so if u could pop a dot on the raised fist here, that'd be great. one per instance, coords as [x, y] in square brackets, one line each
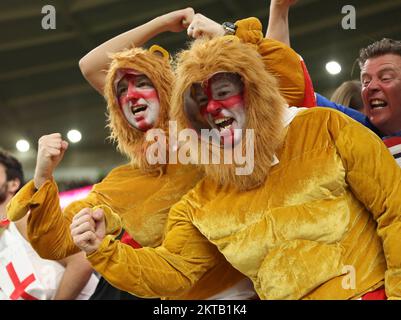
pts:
[51, 150]
[202, 26]
[178, 20]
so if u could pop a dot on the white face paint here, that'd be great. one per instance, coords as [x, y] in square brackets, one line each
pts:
[138, 100]
[222, 105]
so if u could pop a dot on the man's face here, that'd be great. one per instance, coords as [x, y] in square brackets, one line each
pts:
[222, 105]
[3, 184]
[138, 100]
[381, 92]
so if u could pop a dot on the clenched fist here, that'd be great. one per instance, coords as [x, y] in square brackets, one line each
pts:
[51, 150]
[202, 26]
[88, 229]
[176, 21]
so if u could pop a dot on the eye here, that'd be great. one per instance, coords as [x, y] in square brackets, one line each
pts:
[222, 94]
[203, 101]
[122, 90]
[144, 83]
[365, 82]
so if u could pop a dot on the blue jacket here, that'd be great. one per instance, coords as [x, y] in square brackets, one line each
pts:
[354, 114]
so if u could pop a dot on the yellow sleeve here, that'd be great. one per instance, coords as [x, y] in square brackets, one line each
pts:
[166, 271]
[19, 205]
[280, 60]
[375, 178]
[113, 220]
[48, 226]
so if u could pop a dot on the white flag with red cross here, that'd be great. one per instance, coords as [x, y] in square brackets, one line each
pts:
[18, 280]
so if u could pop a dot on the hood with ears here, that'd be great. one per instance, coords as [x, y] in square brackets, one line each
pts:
[264, 104]
[155, 64]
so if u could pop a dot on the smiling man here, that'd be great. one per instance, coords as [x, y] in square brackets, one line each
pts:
[294, 225]
[138, 99]
[137, 90]
[221, 103]
[380, 65]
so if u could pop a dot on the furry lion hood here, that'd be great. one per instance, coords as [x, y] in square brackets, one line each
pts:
[155, 64]
[264, 104]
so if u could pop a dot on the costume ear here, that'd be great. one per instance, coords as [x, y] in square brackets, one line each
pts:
[159, 51]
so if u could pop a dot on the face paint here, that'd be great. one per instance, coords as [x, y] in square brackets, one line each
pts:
[222, 105]
[138, 100]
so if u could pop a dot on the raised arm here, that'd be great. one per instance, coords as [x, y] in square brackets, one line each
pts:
[48, 225]
[278, 27]
[94, 64]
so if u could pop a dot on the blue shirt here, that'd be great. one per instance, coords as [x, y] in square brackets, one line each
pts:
[354, 114]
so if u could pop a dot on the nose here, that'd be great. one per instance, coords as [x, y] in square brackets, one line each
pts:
[373, 85]
[133, 93]
[214, 107]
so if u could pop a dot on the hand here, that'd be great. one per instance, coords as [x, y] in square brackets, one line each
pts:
[202, 26]
[51, 149]
[88, 229]
[178, 20]
[283, 4]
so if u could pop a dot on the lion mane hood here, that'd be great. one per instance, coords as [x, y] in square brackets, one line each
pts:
[155, 64]
[263, 103]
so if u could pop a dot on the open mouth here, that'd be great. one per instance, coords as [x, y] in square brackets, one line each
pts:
[224, 123]
[377, 103]
[138, 108]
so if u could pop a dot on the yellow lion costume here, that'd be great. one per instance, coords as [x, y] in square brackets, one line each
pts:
[140, 195]
[328, 209]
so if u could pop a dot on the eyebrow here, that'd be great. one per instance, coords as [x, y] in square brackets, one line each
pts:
[143, 77]
[222, 85]
[381, 71]
[386, 69]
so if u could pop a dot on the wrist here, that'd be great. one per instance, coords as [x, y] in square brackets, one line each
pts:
[157, 26]
[279, 9]
[39, 181]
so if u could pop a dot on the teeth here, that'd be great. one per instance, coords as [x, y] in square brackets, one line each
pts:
[221, 120]
[377, 103]
[138, 108]
[224, 123]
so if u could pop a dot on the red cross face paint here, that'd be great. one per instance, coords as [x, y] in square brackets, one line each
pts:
[221, 104]
[137, 98]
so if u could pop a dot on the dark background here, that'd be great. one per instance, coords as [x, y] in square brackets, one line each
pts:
[42, 90]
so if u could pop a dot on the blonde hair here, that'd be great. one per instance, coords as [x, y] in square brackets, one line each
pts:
[349, 94]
